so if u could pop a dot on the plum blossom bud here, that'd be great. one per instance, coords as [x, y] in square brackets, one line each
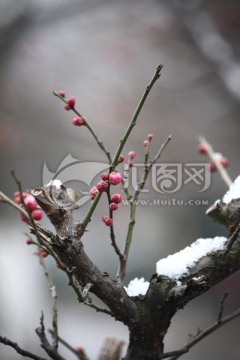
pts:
[67, 107]
[78, 121]
[102, 186]
[23, 217]
[44, 253]
[62, 93]
[145, 143]
[107, 220]
[30, 202]
[105, 176]
[211, 166]
[93, 192]
[224, 161]
[116, 198]
[79, 349]
[132, 154]
[202, 149]
[115, 178]
[36, 215]
[113, 206]
[28, 241]
[71, 102]
[121, 158]
[150, 137]
[17, 196]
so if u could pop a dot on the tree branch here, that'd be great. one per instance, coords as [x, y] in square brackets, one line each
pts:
[20, 351]
[50, 350]
[201, 335]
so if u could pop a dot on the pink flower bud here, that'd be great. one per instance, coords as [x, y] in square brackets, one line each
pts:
[28, 241]
[224, 161]
[211, 166]
[121, 158]
[36, 215]
[62, 93]
[23, 217]
[78, 121]
[105, 176]
[93, 192]
[102, 186]
[44, 253]
[30, 202]
[150, 137]
[71, 101]
[145, 143]
[107, 220]
[17, 200]
[79, 349]
[116, 198]
[132, 154]
[67, 107]
[113, 206]
[202, 149]
[115, 178]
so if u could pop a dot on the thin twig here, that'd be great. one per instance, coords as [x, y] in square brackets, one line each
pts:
[196, 339]
[10, 202]
[159, 153]
[221, 308]
[112, 232]
[32, 222]
[86, 123]
[81, 356]
[20, 351]
[122, 142]
[52, 290]
[133, 205]
[50, 350]
[222, 171]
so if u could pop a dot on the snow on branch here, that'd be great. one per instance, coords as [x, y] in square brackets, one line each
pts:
[176, 265]
[137, 287]
[233, 192]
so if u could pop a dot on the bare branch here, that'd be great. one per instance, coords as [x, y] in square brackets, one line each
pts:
[20, 351]
[201, 335]
[50, 350]
[221, 308]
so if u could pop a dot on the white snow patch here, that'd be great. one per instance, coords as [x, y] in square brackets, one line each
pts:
[57, 183]
[137, 287]
[176, 265]
[233, 192]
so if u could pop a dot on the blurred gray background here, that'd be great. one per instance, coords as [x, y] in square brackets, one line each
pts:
[104, 53]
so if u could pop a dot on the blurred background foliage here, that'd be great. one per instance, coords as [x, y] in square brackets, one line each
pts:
[104, 53]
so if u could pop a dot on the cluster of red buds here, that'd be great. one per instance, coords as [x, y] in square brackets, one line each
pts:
[77, 120]
[30, 203]
[149, 138]
[70, 102]
[115, 200]
[114, 178]
[202, 149]
[41, 252]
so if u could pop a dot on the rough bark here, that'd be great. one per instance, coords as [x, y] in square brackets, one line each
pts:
[147, 317]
